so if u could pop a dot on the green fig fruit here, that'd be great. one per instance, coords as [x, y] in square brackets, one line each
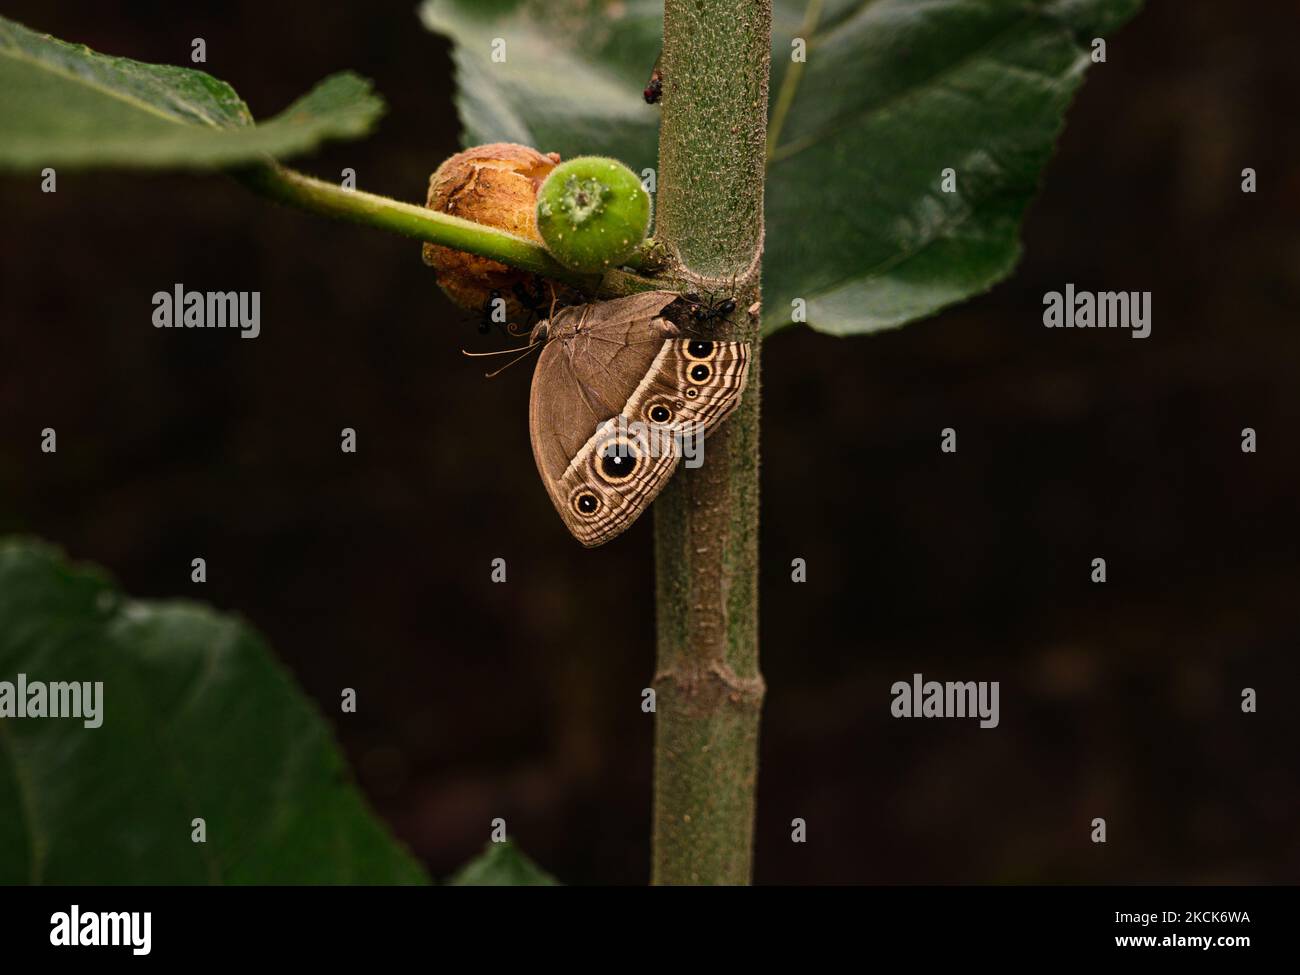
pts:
[592, 213]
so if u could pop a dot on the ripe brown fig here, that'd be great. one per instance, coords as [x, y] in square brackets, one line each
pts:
[495, 185]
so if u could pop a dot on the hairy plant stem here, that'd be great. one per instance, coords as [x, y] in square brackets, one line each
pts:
[708, 688]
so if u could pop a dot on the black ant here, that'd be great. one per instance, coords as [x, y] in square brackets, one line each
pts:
[703, 313]
[532, 299]
[494, 303]
[655, 89]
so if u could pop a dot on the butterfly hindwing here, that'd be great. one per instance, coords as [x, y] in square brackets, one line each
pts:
[611, 481]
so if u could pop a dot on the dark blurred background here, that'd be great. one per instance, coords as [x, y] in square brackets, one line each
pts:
[478, 700]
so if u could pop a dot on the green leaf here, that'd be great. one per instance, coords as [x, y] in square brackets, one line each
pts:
[502, 865]
[198, 721]
[65, 105]
[892, 93]
[572, 76]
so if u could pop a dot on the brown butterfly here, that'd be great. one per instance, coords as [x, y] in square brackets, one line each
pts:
[619, 395]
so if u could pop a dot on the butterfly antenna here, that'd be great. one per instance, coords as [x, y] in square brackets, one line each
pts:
[521, 355]
[477, 355]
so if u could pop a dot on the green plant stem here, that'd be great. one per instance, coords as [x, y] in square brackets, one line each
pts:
[318, 196]
[708, 689]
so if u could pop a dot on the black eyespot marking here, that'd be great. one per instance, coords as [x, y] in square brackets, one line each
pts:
[700, 373]
[587, 503]
[618, 460]
[699, 349]
[692, 393]
[617, 467]
[660, 413]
